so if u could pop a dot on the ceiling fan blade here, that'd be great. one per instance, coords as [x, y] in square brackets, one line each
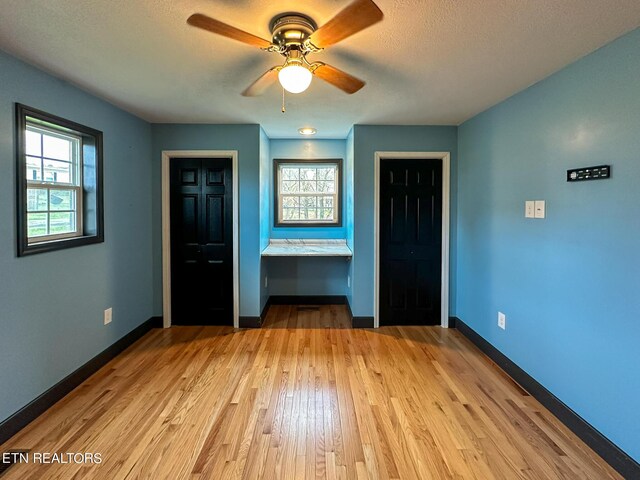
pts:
[215, 26]
[261, 84]
[357, 16]
[345, 82]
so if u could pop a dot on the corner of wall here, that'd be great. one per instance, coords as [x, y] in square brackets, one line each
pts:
[265, 224]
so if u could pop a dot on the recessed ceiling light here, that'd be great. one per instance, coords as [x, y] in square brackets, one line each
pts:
[307, 131]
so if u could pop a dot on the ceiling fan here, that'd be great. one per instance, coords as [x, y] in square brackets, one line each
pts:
[294, 36]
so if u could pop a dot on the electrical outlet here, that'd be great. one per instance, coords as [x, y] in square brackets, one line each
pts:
[266, 281]
[348, 281]
[502, 320]
[108, 315]
[540, 208]
[529, 209]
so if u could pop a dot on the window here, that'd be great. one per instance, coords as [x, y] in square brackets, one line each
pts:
[308, 192]
[59, 183]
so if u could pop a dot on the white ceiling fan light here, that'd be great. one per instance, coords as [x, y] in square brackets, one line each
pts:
[295, 78]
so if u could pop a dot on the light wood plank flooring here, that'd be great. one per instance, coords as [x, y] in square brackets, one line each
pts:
[305, 397]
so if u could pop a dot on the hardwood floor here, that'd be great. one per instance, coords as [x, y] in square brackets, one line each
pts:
[304, 397]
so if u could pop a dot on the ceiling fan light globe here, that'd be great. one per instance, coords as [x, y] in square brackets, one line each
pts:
[295, 78]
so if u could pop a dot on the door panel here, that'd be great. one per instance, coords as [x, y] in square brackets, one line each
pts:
[410, 242]
[215, 219]
[215, 176]
[424, 291]
[397, 289]
[190, 215]
[201, 242]
[189, 176]
[398, 219]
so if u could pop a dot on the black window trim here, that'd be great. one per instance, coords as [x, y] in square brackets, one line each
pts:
[276, 187]
[24, 248]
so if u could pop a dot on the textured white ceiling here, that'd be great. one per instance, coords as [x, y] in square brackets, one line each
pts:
[428, 62]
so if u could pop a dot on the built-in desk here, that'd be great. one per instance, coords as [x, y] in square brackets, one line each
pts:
[307, 248]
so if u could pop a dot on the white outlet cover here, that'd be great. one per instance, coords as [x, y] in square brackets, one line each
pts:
[502, 320]
[529, 209]
[540, 208]
[108, 316]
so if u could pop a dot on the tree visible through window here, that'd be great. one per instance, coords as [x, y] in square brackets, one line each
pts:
[308, 192]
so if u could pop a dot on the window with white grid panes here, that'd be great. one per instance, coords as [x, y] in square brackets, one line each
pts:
[307, 192]
[53, 173]
[59, 165]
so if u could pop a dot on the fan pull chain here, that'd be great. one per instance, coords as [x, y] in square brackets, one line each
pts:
[283, 107]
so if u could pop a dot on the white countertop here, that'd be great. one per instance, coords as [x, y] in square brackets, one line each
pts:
[307, 248]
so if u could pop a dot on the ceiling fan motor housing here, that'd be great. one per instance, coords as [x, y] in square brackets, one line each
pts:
[291, 29]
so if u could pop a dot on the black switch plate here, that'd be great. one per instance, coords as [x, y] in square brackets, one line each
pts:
[589, 173]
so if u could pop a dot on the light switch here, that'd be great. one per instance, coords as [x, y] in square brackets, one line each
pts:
[540, 209]
[529, 209]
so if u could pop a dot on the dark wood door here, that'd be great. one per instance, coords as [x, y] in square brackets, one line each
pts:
[201, 241]
[410, 242]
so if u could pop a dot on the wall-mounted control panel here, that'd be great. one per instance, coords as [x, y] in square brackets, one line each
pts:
[589, 173]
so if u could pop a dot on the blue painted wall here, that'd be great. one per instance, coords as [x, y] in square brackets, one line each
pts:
[307, 276]
[306, 149]
[246, 140]
[265, 230]
[51, 304]
[569, 284]
[369, 139]
[350, 211]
